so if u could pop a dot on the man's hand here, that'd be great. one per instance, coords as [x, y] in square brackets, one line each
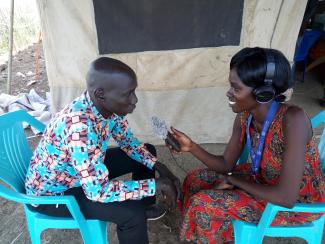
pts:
[164, 172]
[166, 186]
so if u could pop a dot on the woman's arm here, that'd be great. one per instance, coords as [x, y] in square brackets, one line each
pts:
[297, 133]
[220, 163]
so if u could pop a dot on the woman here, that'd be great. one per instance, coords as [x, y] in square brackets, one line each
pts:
[284, 165]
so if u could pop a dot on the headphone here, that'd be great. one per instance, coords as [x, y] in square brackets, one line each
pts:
[266, 93]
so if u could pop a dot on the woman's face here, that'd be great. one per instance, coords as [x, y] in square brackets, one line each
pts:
[240, 96]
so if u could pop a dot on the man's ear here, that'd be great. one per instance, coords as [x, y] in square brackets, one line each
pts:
[99, 93]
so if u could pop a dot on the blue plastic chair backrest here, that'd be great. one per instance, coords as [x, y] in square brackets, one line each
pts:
[244, 155]
[315, 122]
[15, 152]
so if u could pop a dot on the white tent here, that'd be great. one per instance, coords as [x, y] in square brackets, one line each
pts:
[185, 87]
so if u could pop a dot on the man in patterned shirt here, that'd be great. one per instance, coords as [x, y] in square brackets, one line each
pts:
[72, 157]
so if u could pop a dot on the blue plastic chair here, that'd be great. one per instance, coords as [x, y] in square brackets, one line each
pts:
[312, 232]
[244, 155]
[315, 122]
[15, 155]
[304, 44]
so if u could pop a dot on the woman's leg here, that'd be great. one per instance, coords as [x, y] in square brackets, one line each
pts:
[197, 180]
[208, 214]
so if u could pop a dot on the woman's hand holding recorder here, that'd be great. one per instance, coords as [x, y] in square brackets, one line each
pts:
[184, 142]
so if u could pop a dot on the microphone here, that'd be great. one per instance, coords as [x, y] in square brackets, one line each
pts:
[159, 128]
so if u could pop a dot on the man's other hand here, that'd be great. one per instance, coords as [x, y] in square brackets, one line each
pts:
[164, 172]
[168, 189]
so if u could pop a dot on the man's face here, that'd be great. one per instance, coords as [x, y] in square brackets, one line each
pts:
[119, 97]
[240, 96]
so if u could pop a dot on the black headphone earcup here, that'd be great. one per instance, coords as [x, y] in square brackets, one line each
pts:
[264, 94]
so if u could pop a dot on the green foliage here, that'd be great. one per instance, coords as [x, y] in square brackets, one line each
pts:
[26, 26]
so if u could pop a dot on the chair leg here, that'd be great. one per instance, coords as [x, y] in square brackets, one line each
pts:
[34, 232]
[310, 239]
[98, 232]
[244, 234]
[318, 235]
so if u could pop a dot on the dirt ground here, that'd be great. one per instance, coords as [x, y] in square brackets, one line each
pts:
[28, 61]
[13, 227]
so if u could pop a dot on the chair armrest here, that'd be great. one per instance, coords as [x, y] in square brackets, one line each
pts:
[32, 121]
[318, 119]
[271, 210]
[27, 199]
[21, 116]
[69, 201]
[301, 207]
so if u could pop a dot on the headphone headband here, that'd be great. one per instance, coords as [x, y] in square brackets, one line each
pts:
[270, 69]
[266, 93]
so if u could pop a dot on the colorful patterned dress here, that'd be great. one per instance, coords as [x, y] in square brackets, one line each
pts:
[207, 213]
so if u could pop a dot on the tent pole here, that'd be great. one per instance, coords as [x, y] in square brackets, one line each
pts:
[11, 30]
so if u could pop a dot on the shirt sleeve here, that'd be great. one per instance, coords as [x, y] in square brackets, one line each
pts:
[123, 135]
[87, 159]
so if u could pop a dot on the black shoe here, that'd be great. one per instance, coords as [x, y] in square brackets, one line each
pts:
[156, 211]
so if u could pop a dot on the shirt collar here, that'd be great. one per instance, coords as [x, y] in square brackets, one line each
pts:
[92, 107]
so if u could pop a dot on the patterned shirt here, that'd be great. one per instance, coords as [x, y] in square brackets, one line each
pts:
[72, 150]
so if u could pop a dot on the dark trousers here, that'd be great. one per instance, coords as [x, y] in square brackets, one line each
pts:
[129, 216]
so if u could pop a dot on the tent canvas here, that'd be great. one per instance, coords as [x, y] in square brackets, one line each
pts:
[186, 87]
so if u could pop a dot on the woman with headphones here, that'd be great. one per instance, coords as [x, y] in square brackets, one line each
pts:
[283, 167]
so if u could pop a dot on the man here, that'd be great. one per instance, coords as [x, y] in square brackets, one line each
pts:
[72, 157]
